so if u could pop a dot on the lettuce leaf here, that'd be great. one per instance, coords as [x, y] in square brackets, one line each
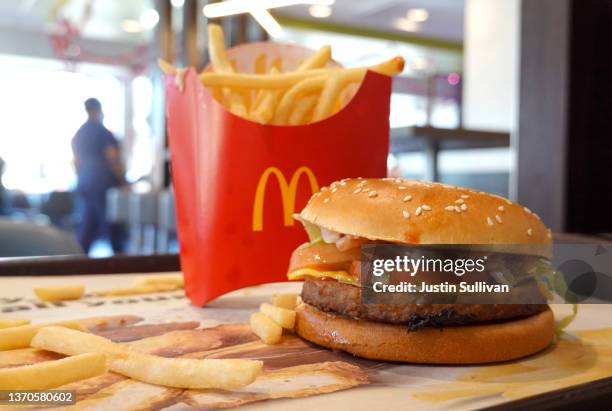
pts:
[552, 283]
[562, 324]
[313, 231]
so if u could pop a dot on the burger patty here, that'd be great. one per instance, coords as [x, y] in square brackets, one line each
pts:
[332, 296]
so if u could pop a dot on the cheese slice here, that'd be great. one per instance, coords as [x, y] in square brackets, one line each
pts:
[341, 276]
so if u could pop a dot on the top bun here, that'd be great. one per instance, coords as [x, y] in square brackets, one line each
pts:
[414, 212]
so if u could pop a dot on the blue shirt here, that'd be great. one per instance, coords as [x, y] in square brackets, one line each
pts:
[94, 172]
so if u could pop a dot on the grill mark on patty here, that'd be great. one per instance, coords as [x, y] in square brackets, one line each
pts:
[332, 296]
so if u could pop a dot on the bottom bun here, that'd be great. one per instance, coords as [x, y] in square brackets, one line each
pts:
[473, 344]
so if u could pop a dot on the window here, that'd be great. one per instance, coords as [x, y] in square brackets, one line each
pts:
[42, 108]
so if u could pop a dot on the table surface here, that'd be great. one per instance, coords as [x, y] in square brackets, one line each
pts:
[76, 265]
[396, 385]
[18, 276]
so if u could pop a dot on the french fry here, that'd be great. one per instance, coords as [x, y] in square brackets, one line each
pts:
[317, 60]
[266, 329]
[235, 103]
[60, 293]
[52, 374]
[333, 86]
[258, 99]
[277, 64]
[220, 63]
[12, 323]
[137, 289]
[72, 342]
[308, 85]
[259, 81]
[261, 64]
[21, 336]
[265, 111]
[260, 67]
[288, 301]
[175, 279]
[282, 316]
[389, 67]
[244, 99]
[217, 94]
[187, 372]
[283, 98]
[286, 80]
[171, 372]
[262, 94]
[166, 67]
[347, 94]
[301, 109]
[216, 50]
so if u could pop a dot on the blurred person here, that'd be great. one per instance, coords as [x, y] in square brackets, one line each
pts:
[98, 167]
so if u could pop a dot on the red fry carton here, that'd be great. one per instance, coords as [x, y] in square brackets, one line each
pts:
[238, 183]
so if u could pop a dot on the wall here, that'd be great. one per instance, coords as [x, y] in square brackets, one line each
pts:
[491, 64]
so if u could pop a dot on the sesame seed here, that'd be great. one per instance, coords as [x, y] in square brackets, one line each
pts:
[401, 187]
[407, 198]
[501, 208]
[326, 200]
[406, 214]
[460, 201]
[498, 218]
[365, 190]
[398, 180]
[324, 189]
[418, 211]
[465, 196]
[463, 207]
[372, 194]
[333, 190]
[449, 208]
[528, 211]
[342, 183]
[357, 191]
[457, 209]
[529, 232]
[508, 202]
[489, 221]
[426, 207]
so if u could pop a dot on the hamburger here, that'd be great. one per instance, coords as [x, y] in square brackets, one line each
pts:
[351, 213]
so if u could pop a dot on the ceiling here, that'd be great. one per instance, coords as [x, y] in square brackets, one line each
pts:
[104, 23]
[445, 16]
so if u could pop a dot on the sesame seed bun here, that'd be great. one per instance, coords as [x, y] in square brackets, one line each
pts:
[413, 212]
[472, 344]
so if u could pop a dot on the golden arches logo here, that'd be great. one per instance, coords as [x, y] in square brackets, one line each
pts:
[288, 192]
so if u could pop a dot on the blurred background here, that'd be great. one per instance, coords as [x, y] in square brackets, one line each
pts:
[507, 96]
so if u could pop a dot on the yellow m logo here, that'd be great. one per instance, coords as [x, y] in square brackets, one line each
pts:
[288, 192]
